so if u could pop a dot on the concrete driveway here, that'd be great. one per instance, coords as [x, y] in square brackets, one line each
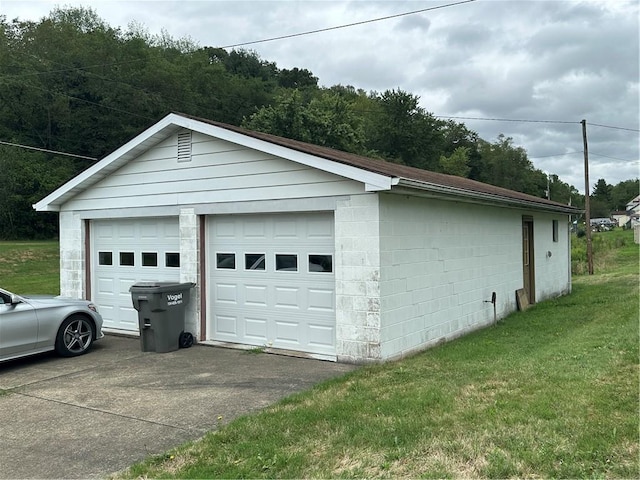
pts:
[90, 416]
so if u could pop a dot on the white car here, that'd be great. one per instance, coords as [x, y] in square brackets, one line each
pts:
[37, 323]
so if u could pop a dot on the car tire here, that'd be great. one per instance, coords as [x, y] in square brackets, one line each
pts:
[75, 336]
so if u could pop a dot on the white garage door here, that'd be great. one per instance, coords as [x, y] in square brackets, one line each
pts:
[272, 281]
[128, 251]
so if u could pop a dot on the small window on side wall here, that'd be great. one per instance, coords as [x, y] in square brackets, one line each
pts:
[555, 230]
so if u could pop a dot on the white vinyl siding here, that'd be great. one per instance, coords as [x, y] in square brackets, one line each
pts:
[219, 171]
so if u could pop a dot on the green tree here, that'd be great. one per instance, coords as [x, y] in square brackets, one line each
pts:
[248, 64]
[399, 130]
[297, 78]
[326, 119]
[457, 135]
[457, 163]
[27, 178]
[508, 166]
[602, 190]
[600, 203]
[562, 192]
[623, 192]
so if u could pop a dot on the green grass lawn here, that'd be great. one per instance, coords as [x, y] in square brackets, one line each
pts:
[30, 267]
[550, 392]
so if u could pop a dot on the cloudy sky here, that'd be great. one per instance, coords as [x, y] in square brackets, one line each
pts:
[549, 62]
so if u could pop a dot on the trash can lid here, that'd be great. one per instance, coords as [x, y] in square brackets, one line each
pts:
[153, 284]
[160, 286]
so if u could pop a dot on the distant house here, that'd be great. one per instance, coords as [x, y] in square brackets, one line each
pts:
[634, 203]
[630, 217]
[302, 248]
[633, 211]
[621, 218]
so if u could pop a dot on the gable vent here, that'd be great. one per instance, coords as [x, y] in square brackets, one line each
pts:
[184, 147]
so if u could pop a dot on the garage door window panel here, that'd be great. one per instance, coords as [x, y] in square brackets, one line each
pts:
[172, 260]
[105, 258]
[286, 262]
[149, 259]
[254, 261]
[319, 263]
[127, 259]
[226, 261]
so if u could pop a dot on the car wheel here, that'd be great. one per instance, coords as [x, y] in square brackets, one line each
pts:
[75, 336]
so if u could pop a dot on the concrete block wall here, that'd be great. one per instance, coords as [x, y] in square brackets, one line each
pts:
[440, 263]
[189, 266]
[357, 267]
[72, 261]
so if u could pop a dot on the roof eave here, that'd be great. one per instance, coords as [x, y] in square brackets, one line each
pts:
[172, 122]
[54, 201]
[483, 198]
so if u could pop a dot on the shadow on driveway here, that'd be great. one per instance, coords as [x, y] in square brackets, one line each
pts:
[93, 415]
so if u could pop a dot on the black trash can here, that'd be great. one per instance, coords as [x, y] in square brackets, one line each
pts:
[161, 308]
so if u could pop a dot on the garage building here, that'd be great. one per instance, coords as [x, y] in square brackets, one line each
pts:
[300, 248]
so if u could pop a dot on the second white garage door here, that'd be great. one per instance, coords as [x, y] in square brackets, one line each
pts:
[272, 281]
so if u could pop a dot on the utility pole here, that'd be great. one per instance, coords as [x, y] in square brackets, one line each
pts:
[587, 213]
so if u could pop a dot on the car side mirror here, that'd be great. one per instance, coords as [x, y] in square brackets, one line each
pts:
[14, 299]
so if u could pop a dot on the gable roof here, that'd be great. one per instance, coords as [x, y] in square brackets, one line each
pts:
[377, 175]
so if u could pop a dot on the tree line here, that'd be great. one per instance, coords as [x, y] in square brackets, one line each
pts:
[72, 83]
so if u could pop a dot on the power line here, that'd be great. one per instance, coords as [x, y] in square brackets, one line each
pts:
[70, 69]
[282, 37]
[89, 102]
[612, 158]
[581, 151]
[489, 119]
[615, 128]
[556, 155]
[515, 120]
[46, 150]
